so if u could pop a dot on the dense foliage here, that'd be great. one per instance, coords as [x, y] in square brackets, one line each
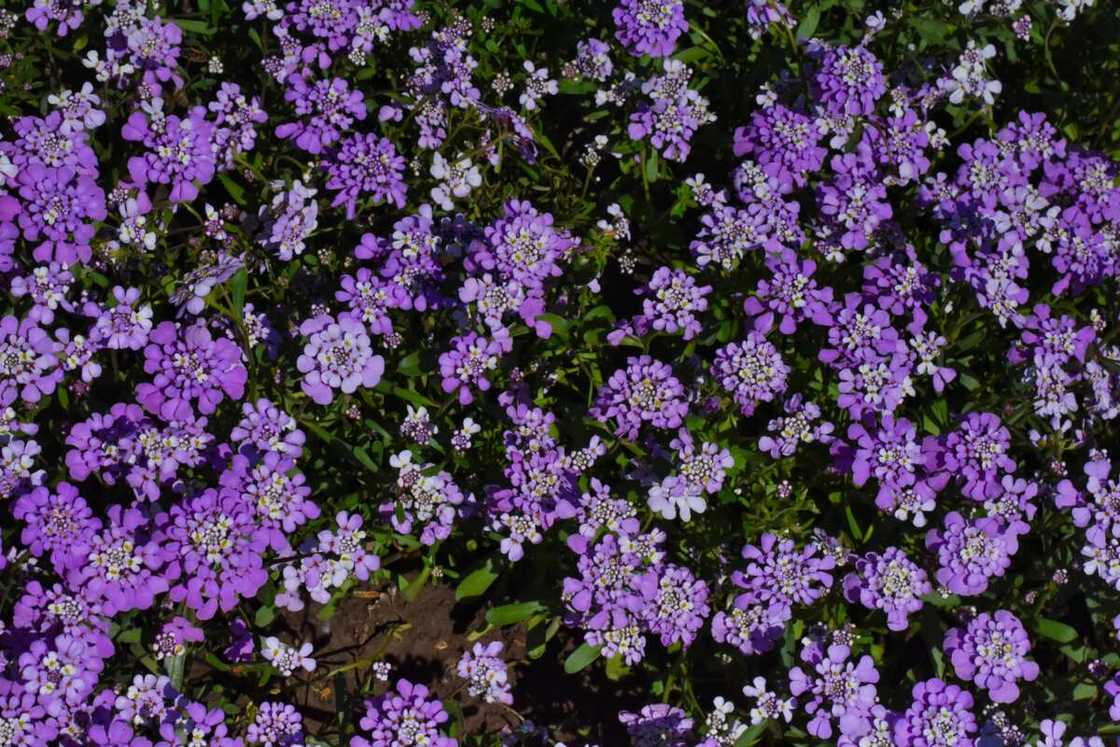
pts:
[540, 372]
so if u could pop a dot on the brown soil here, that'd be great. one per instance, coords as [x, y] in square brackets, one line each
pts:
[423, 641]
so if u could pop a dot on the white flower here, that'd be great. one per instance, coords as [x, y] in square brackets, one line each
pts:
[285, 658]
[457, 179]
[537, 86]
[673, 496]
[768, 705]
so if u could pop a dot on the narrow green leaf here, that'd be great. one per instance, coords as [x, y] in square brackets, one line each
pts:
[580, 658]
[510, 614]
[1055, 630]
[476, 583]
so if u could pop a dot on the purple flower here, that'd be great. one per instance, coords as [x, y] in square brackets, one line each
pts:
[778, 573]
[835, 688]
[798, 425]
[153, 47]
[790, 294]
[672, 115]
[215, 545]
[762, 14]
[47, 287]
[28, 362]
[337, 356]
[328, 108]
[751, 628]
[61, 672]
[426, 504]
[855, 201]
[265, 429]
[522, 245]
[598, 510]
[121, 326]
[673, 301]
[147, 700]
[469, 362]
[59, 523]
[370, 298]
[124, 568]
[235, 120]
[593, 60]
[785, 142]
[892, 455]
[276, 493]
[675, 495]
[861, 332]
[644, 392]
[42, 12]
[189, 365]
[207, 727]
[890, 582]
[649, 27]
[174, 636]
[971, 552]
[658, 724]
[727, 233]
[704, 468]
[674, 604]
[366, 163]
[58, 609]
[16, 461]
[241, 646]
[752, 371]
[848, 80]
[991, 652]
[180, 151]
[940, 715]
[276, 725]
[48, 142]
[346, 543]
[402, 716]
[485, 672]
[289, 221]
[976, 454]
[58, 210]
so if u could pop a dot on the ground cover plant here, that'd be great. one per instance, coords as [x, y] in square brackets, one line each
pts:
[540, 372]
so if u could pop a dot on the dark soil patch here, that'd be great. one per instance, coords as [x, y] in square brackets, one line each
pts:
[423, 641]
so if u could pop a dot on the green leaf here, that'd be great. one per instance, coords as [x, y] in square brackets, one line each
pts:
[367, 461]
[409, 365]
[752, 735]
[413, 589]
[616, 669]
[476, 582]
[1085, 691]
[853, 525]
[237, 287]
[194, 27]
[809, 22]
[264, 616]
[176, 667]
[132, 635]
[510, 614]
[1055, 630]
[651, 167]
[236, 191]
[580, 658]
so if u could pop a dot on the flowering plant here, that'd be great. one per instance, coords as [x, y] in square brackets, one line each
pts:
[657, 372]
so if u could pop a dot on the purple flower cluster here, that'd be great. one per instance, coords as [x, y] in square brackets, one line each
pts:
[403, 715]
